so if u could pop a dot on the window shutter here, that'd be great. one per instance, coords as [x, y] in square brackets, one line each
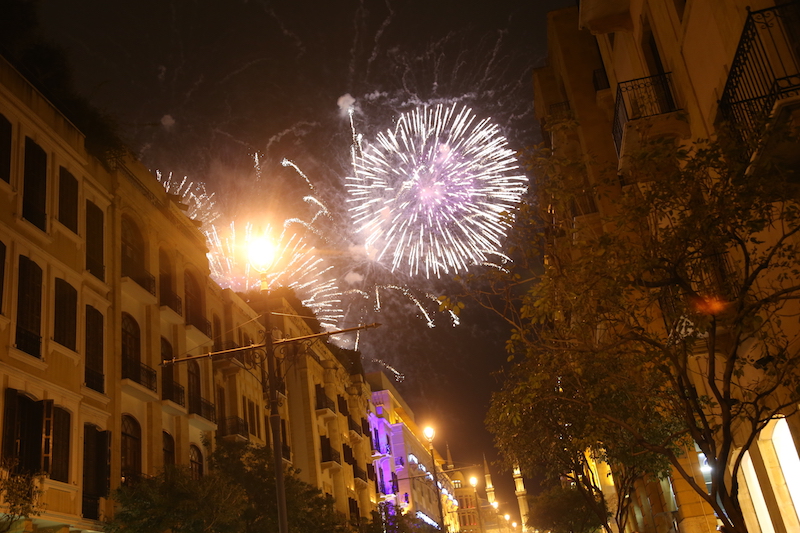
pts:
[10, 426]
[104, 459]
[59, 466]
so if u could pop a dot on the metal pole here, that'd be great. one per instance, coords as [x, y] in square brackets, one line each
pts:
[436, 488]
[275, 420]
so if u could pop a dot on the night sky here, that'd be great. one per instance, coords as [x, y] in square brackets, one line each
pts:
[202, 88]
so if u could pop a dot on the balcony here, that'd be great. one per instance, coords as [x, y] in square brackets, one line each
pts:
[765, 70]
[325, 406]
[606, 16]
[170, 300]
[140, 276]
[234, 426]
[196, 319]
[202, 407]
[359, 473]
[29, 342]
[173, 392]
[139, 372]
[639, 99]
[354, 427]
[329, 455]
[94, 380]
[95, 267]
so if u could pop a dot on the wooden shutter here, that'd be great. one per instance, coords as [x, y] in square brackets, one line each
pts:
[47, 435]
[10, 425]
[59, 466]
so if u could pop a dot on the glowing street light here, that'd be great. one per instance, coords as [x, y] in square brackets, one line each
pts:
[430, 433]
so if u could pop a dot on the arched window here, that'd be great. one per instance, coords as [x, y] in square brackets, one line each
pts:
[132, 246]
[131, 348]
[195, 462]
[166, 286]
[194, 301]
[195, 402]
[168, 445]
[170, 390]
[131, 452]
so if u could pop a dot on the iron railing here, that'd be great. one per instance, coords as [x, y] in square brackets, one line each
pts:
[90, 507]
[196, 319]
[94, 380]
[95, 267]
[139, 372]
[233, 425]
[765, 69]
[200, 406]
[640, 98]
[354, 426]
[359, 473]
[142, 277]
[29, 342]
[171, 300]
[331, 455]
[323, 402]
[174, 392]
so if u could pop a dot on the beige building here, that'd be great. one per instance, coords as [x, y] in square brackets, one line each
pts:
[623, 70]
[103, 277]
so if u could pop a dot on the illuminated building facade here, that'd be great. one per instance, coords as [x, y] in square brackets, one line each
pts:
[103, 277]
[402, 461]
[707, 60]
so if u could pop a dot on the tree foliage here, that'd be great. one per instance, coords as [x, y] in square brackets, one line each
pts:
[238, 494]
[664, 321]
[20, 495]
[562, 510]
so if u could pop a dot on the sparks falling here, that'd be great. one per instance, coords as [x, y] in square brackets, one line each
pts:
[433, 194]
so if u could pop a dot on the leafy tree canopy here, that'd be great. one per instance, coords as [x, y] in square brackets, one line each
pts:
[562, 510]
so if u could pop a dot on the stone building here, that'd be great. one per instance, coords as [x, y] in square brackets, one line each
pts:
[623, 71]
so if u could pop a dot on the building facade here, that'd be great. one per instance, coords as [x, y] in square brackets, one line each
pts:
[108, 325]
[623, 71]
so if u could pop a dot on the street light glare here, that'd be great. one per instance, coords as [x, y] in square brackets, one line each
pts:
[429, 433]
[262, 253]
[473, 481]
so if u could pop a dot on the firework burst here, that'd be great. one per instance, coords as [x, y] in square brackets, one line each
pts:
[432, 195]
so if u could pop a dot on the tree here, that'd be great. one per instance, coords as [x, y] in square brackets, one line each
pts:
[667, 322]
[19, 493]
[238, 494]
[562, 510]
[391, 519]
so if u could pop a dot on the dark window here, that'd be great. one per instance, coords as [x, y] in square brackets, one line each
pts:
[251, 416]
[193, 370]
[34, 188]
[217, 331]
[221, 408]
[68, 199]
[94, 349]
[132, 245]
[168, 445]
[194, 301]
[131, 452]
[65, 319]
[164, 271]
[195, 462]
[36, 435]
[131, 339]
[29, 307]
[96, 469]
[5, 149]
[2, 273]
[95, 262]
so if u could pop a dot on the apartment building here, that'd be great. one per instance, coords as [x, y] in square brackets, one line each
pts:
[108, 325]
[622, 71]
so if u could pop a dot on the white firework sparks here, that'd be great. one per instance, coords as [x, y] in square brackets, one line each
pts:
[433, 194]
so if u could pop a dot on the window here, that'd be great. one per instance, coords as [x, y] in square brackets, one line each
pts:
[5, 149]
[217, 332]
[29, 307]
[168, 445]
[94, 349]
[170, 390]
[251, 416]
[194, 301]
[131, 350]
[96, 468]
[195, 462]
[68, 199]
[34, 188]
[65, 314]
[95, 263]
[195, 400]
[132, 245]
[36, 435]
[131, 452]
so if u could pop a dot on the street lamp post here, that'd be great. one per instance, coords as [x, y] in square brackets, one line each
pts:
[474, 482]
[429, 433]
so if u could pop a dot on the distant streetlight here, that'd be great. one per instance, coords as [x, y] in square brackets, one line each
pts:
[474, 482]
[430, 433]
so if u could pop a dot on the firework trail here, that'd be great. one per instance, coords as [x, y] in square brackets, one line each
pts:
[432, 195]
[199, 202]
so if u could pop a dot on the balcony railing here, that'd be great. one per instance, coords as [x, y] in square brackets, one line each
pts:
[29, 342]
[94, 265]
[354, 426]
[286, 451]
[765, 69]
[201, 406]
[142, 277]
[359, 473]
[233, 425]
[171, 300]
[173, 392]
[331, 455]
[196, 319]
[323, 402]
[90, 507]
[139, 372]
[641, 98]
[94, 380]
